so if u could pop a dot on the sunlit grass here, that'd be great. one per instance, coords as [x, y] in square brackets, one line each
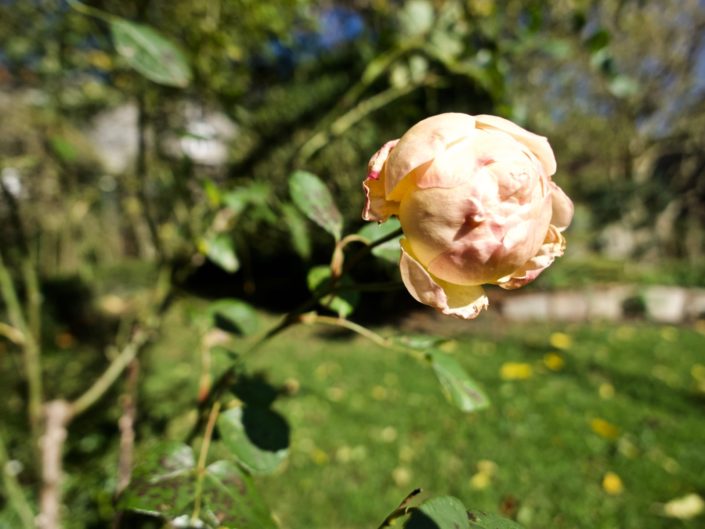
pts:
[600, 439]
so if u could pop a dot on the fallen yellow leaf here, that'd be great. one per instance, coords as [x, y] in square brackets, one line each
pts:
[516, 371]
[604, 429]
[612, 484]
[553, 361]
[560, 340]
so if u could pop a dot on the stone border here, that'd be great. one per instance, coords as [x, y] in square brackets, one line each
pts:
[659, 303]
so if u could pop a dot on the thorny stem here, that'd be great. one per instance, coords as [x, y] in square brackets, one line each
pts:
[202, 459]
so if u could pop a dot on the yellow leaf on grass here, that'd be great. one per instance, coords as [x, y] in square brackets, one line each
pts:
[604, 429]
[612, 484]
[560, 340]
[553, 361]
[516, 371]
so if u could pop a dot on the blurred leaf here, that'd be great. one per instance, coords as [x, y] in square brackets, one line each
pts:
[443, 512]
[231, 499]
[390, 250]
[221, 250]
[239, 198]
[481, 520]
[235, 315]
[258, 437]
[149, 53]
[556, 47]
[416, 18]
[314, 200]
[213, 193]
[458, 387]
[64, 149]
[162, 482]
[300, 239]
[623, 86]
[342, 303]
[598, 40]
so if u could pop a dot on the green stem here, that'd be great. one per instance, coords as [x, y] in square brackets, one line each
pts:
[225, 379]
[91, 11]
[347, 120]
[362, 331]
[202, 459]
[31, 352]
[110, 375]
[13, 490]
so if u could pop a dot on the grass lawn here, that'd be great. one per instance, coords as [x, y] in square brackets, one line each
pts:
[589, 427]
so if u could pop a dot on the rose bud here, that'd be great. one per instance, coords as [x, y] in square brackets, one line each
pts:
[477, 206]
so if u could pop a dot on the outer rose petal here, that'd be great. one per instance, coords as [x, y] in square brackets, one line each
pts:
[464, 302]
[423, 142]
[553, 247]
[562, 208]
[538, 144]
[376, 205]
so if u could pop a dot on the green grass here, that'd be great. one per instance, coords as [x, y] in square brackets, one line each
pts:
[369, 425]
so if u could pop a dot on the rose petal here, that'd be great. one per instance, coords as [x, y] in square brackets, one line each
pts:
[553, 247]
[464, 302]
[376, 206]
[374, 166]
[563, 208]
[538, 144]
[423, 142]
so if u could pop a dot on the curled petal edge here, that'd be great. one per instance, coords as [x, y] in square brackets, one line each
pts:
[460, 301]
[553, 246]
[377, 207]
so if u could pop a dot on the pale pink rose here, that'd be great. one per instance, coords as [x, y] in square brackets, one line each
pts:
[477, 205]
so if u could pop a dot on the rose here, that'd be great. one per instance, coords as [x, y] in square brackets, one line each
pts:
[477, 206]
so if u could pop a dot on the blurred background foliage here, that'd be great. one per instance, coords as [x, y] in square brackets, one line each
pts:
[108, 165]
[105, 176]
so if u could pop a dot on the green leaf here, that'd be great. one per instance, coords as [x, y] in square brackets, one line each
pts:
[234, 315]
[344, 302]
[221, 250]
[300, 239]
[231, 499]
[151, 54]
[598, 40]
[213, 193]
[481, 520]
[64, 149]
[390, 250]
[258, 437]
[257, 193]
[443, 512]
[314, 200]
[458, 387]
[623, 86]
[162, 482]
